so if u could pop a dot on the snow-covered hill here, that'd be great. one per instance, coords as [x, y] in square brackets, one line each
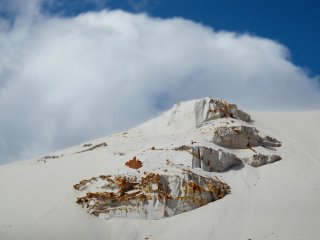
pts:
[204, 169]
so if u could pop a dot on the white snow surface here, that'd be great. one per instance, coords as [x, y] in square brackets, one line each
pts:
[276, 201]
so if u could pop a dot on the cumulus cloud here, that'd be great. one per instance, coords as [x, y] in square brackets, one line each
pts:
[67, 80]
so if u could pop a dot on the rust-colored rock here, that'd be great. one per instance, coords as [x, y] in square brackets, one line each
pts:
[134, 163]
[152, 196]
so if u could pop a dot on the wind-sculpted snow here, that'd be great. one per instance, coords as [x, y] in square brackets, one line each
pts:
[212, 135]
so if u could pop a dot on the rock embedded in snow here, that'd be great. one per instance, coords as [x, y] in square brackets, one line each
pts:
[241, 137]
[152, 196]
[212, 160]
[100, 145]
[270, 142]
[236, 137]
[134, 163]
[49, 210]
[158, 187]
[258, 160]
[210, 109]
[195, 113]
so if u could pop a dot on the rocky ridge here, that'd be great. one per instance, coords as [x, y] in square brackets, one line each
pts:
[191, 142]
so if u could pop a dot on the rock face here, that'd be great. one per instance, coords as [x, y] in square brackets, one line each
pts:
[241, 137]
[258, 160]
[210, 109]
[152, 196]
[212, 160]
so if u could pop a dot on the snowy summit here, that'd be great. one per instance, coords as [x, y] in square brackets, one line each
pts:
[204, 164]
[185, 144]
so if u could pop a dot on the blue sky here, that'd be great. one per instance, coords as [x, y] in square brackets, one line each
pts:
[294, 23]
[76, 70]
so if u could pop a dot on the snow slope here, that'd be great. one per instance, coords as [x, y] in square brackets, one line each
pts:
[275, 201]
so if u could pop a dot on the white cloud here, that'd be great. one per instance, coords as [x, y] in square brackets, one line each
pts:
[67, 80]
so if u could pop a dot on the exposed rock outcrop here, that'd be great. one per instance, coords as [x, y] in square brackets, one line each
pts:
[241, 137]
[212, 160]
[100, 145]
[209, 109]
[152, 196]
[270, 142]
[258, 160]
[162, 185]
[44, 159]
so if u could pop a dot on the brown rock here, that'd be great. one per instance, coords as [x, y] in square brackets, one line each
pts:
[134, 163]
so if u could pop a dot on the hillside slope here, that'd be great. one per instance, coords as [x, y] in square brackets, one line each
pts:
[275, 201]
